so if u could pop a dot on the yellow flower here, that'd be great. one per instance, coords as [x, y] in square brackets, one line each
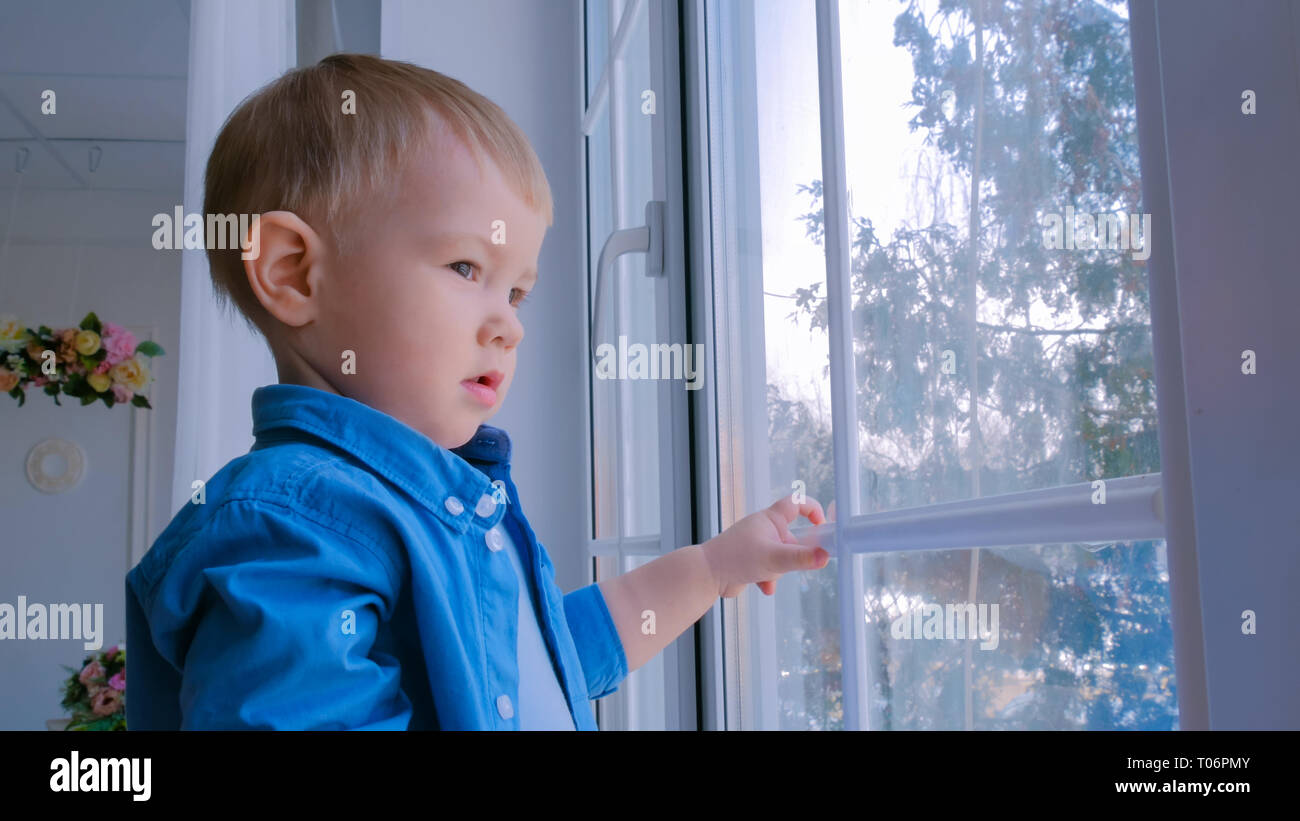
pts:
[87, 342]
[100, 381]
[11, 328]
[131, 372]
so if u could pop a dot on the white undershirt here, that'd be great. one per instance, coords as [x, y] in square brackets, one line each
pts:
[542, 705]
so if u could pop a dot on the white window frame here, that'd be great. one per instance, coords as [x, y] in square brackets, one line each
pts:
[1135, 507]
[739, 635]
[662, 239]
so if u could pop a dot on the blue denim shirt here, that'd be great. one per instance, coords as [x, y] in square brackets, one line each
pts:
[345, 574]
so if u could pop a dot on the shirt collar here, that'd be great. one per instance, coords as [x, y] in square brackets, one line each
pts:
[395, 450]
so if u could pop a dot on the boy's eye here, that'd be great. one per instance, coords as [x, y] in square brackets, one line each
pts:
[517, 295]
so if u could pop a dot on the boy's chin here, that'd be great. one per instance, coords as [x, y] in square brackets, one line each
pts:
[462, 436]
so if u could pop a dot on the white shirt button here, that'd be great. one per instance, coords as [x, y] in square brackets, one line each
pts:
[454, 506]
[494, 540]
[504, 707]
[486, 506]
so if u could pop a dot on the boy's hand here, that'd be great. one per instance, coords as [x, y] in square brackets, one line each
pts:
[759, 548]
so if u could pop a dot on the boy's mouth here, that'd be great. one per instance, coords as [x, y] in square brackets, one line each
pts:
[484, 386]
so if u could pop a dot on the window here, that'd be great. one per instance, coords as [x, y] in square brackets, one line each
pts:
[994, 392]
[888, 212]
[639, 452]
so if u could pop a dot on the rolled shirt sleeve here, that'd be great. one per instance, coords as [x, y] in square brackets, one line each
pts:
[604, 663]
[284, 637]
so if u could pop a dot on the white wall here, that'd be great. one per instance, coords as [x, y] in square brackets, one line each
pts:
[523, 55]
[119, 73]
[73, 547]
[1225, 272]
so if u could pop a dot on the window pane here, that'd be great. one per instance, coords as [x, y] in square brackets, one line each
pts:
[1055, 341]
[1057, 344]
[604, 430]
[1069, 638]
[599, 35]
[634, 291]
[774, 417]
[625, 413]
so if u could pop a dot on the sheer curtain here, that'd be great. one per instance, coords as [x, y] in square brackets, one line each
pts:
[236, 47]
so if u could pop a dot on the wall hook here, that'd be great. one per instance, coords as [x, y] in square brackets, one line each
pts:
[20, 159]
[96, 154]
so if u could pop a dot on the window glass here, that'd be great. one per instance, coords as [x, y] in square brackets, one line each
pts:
[1049, 336]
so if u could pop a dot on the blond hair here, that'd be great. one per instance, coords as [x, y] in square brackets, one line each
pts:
[290, 147]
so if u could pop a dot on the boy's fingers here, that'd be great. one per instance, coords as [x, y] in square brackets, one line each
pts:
[786, 559]
[782, 529]
[821, 515]
[813, 510]
[790, 511]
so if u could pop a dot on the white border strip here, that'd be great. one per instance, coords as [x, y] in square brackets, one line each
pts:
[839, 295]
[1133, 510]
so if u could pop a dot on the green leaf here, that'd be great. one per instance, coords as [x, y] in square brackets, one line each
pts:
[91, 323]
[44, 331]
[105, 723]
[88, 398]
[141, 402]
[149, 348]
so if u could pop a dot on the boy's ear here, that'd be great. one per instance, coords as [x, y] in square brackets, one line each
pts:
[286, 273]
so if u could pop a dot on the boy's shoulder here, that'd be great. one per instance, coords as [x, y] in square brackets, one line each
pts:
[302, 489]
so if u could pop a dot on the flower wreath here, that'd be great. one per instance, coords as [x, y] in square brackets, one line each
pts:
[94, 361]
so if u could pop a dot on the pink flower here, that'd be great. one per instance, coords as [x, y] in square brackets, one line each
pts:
[119, 342]
[121, 393]
[106, 702]
[40, 381]
[110, 652]
[91, 671]
[118, 682]
[103, 367]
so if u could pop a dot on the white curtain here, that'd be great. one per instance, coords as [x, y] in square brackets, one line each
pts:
[236, 47]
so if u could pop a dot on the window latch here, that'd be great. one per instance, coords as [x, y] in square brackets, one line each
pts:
[648, 239]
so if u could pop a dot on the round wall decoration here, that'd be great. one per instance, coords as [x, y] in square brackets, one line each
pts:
[55, 465]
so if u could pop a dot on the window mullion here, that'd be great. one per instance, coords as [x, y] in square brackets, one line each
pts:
[839, 296]
[621, 37]
[1132, 510]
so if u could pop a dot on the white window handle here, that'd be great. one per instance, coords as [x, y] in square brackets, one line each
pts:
[649, 239]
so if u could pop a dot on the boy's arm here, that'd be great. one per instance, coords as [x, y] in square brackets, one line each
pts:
[673, 591]
[667, 595]
[284, 629]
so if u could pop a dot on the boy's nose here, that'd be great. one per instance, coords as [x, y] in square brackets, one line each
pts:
[503, 325]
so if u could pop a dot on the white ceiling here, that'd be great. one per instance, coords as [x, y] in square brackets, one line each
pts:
[118, 70]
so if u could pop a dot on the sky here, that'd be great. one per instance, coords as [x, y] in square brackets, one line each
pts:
[877, 78]
[881, 158]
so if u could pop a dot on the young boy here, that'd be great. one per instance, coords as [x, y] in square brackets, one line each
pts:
[368, 565]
